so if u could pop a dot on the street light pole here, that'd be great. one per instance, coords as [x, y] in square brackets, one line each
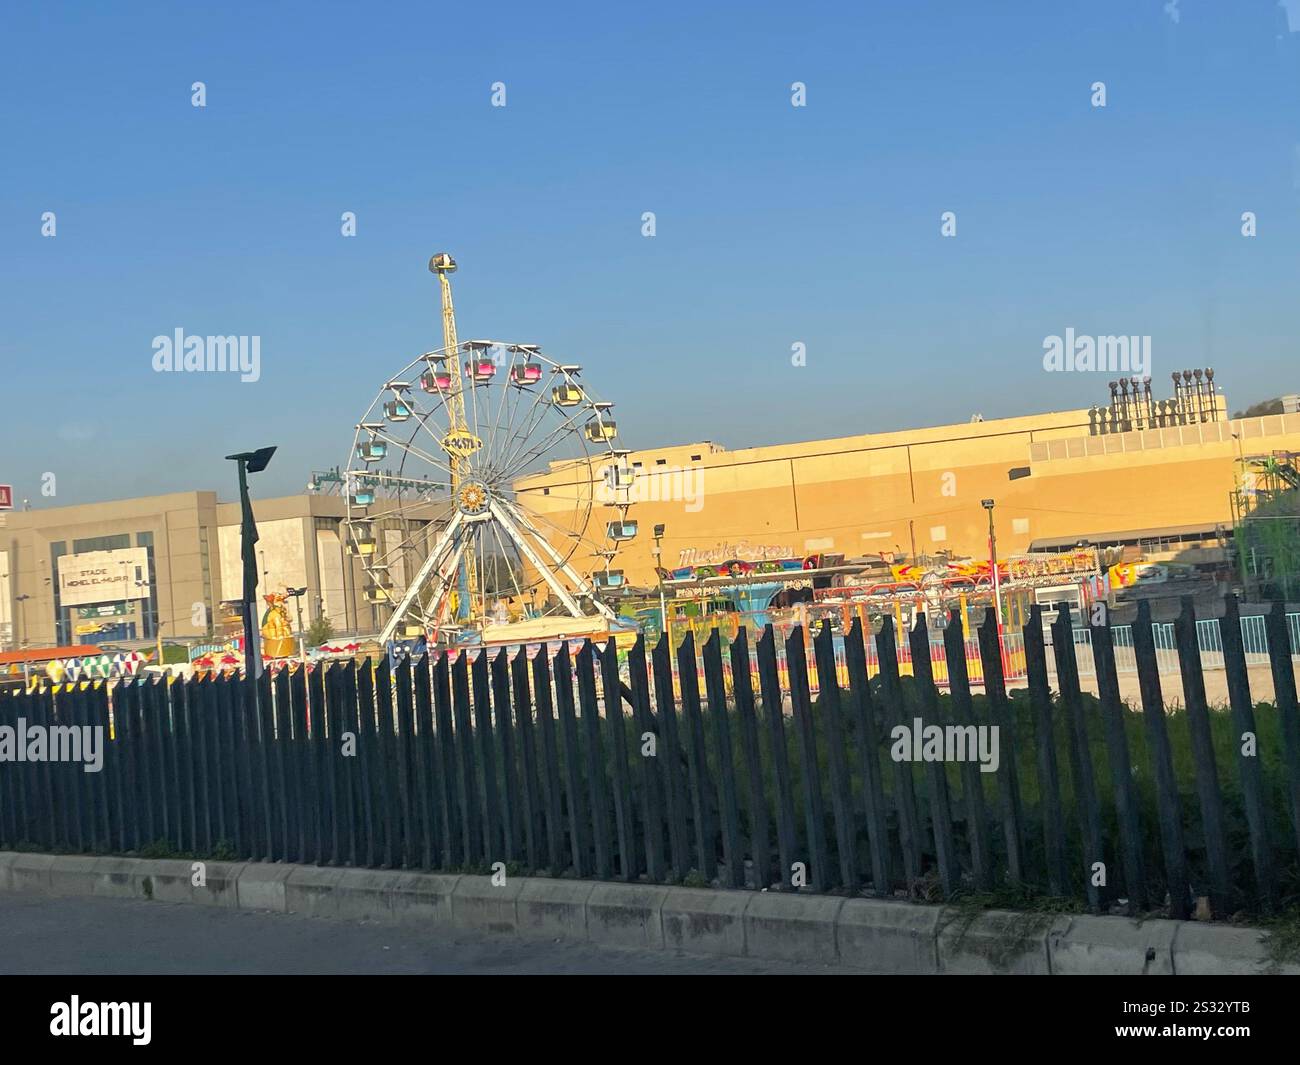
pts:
[993, 564]
[250, 462]
[659, 577]
[22, 609]
[296, 595]
[158, 627]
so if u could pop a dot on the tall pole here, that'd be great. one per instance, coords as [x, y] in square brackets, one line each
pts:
[659, 577]
[22, 610]
[297, 594]
[250, 462]
[459, 443]
[993, 566]
[248, 534]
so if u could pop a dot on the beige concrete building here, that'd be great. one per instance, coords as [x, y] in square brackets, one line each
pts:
[122, 570]
[1054, 480]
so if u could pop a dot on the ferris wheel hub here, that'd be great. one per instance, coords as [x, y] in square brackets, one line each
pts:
[473, 499]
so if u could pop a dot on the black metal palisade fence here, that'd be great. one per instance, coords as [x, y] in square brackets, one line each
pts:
[556, 764]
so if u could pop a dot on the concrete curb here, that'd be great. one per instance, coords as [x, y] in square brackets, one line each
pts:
[1115, 945]
[884, 936]
[627, 915]
[997, 941]
[861, 934]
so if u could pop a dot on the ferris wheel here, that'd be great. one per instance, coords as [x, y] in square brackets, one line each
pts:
[486, 488]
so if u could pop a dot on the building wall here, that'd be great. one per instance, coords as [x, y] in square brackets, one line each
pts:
[301, 544]
[921, 490]
[170, 525]
[196, 561]
[6, 602]
[281, 560]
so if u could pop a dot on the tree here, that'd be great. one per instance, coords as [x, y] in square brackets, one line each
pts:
[1259, 410]
[319, 631]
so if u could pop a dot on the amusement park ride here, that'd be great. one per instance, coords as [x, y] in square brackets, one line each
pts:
[803, 591]
[452, 552]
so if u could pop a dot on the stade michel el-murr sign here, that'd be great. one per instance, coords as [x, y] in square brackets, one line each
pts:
[104, 576]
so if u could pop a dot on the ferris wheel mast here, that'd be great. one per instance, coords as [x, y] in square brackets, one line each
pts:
[459, 443]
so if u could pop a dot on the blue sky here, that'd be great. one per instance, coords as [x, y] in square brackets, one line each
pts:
[775, 224]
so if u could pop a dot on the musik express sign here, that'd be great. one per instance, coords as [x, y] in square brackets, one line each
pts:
[104, 576]
[741, 549]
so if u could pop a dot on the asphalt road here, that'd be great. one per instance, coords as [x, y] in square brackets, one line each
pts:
[123, 936]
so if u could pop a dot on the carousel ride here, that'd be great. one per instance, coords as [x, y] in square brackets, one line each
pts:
[486, 495]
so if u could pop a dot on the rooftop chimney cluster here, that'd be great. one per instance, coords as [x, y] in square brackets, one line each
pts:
[1132, 406]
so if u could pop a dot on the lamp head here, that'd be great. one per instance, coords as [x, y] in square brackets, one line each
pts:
[254, 461]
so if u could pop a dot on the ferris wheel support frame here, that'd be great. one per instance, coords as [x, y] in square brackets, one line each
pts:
[498, 511]
[447, 574]
[513, 522]
[445, 538]
[586, 590]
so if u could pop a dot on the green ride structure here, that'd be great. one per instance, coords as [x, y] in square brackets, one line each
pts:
[1266, 525]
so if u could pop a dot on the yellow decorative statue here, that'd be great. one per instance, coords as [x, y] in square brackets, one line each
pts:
[277, 631]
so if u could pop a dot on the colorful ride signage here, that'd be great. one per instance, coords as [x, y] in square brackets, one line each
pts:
[741, 549]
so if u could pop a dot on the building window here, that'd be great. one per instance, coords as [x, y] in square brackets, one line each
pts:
[62, 617]
[205, 561]
[117, 542]
[149, 605]
[661, 462]
[695, 458]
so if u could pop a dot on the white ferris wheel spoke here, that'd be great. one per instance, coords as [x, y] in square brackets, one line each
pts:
[419, 453]
[560, 563]
[537, 415]
[518, 461]
[499, 511]
[448, 537]
[511, 571]
[538, 390]
[537, 410]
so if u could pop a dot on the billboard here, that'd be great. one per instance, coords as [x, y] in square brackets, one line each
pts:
[102, 610]
[104, 576]
[6, 497]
